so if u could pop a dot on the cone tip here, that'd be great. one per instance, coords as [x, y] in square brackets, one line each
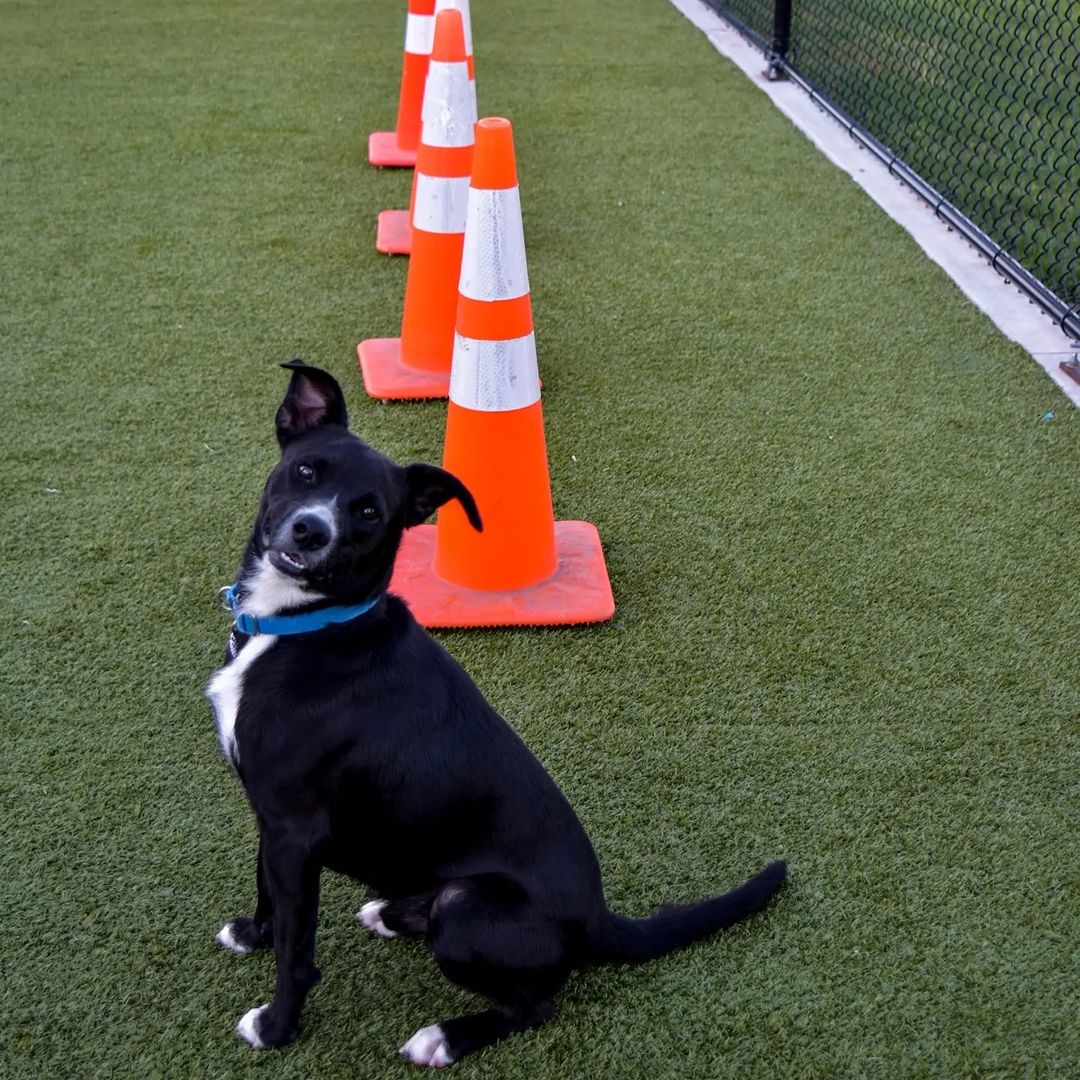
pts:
[494, 164]
[449, 43]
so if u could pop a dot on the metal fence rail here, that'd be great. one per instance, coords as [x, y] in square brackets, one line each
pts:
[974, 103]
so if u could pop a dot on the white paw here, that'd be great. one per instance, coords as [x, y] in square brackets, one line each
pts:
[225, 938]
[427, 1047]
[246, 1028]
[370, 916]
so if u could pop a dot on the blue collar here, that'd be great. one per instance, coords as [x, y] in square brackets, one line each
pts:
[304, 623]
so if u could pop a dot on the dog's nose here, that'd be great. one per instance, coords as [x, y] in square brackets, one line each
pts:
[310, 532]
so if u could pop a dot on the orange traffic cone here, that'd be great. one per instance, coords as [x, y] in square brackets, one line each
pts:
[524, 568]
[393, 231]
[466, 18]
[398, 147]
[417, 364]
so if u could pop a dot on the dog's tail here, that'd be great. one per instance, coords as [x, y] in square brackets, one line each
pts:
[673, 926]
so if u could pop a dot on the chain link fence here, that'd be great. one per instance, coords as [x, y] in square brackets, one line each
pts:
[975, 103]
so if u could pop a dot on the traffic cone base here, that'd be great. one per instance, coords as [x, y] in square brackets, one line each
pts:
[383, 150]
[393, 236]
[578, 592]
[387, 378]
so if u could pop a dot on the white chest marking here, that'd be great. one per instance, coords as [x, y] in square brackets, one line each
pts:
[266, 592]
[226, 688]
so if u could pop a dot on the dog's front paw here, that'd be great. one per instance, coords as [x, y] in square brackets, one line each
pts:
[263, 1028]
[371, 916]
[245, 935]
[428, 1047]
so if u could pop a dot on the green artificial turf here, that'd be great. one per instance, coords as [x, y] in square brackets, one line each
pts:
[841, 533]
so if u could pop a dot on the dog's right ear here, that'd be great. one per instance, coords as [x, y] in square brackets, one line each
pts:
[313, 400]
[429, 487]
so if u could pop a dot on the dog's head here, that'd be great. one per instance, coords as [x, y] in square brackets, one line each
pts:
[333, 509]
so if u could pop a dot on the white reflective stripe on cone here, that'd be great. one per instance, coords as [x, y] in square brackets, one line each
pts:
[466, 18]
[493, 261]
[440, 203]
[449, 111]
[419, 33]
[474, 115]
[494, 376]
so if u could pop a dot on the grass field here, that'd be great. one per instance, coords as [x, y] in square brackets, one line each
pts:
[841, 533]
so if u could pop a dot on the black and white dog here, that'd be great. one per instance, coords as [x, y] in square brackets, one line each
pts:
[364, 747]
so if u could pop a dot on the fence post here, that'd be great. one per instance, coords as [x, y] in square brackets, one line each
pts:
[781, 39]
[1072, 367]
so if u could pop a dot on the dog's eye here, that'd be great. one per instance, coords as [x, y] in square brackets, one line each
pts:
[305, 472]
[365, 510]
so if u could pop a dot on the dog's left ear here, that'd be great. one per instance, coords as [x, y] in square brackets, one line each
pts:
[429, 487]
[313, 400]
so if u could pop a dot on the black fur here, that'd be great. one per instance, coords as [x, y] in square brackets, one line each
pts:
[367, 749]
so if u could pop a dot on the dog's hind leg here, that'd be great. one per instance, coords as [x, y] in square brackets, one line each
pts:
[389, 918]
[244, 934]
[486, 937]
[447, 1042]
